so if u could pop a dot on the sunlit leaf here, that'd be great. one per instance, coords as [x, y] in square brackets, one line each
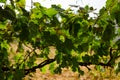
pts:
[118, 68]
[37, 4]
[51, 12]
[2, 26]
[21, 3]
[4, 45]
[52, 67]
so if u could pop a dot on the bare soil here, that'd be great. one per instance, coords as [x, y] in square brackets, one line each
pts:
[67, 74]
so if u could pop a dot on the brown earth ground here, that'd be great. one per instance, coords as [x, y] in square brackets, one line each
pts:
[69, 75]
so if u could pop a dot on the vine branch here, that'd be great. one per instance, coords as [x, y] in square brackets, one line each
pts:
[27, 71]
[48, 61]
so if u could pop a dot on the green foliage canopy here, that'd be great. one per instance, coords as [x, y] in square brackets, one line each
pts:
[78, 39]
